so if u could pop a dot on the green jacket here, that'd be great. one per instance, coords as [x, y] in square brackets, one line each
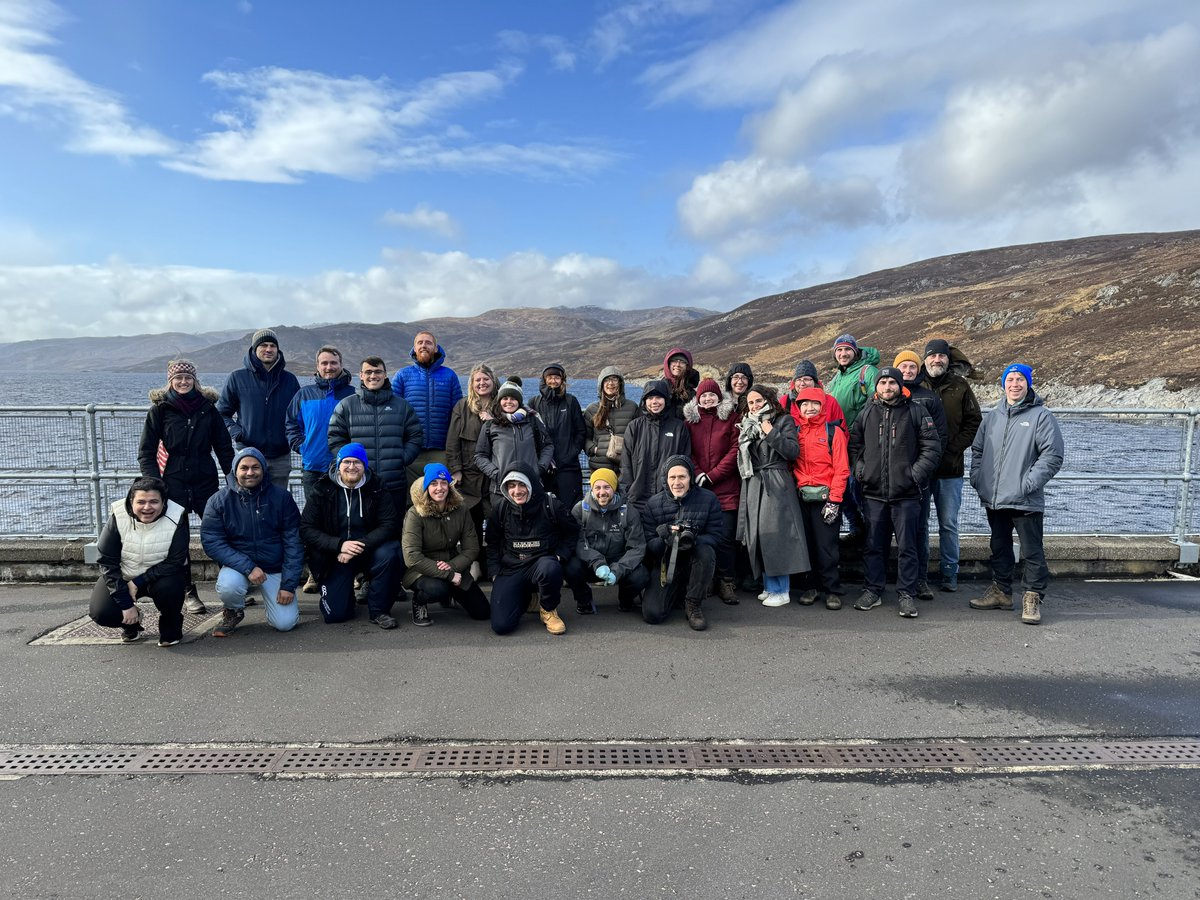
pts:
[854, 384]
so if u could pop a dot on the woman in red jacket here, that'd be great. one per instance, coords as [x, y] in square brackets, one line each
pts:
[710, 419]
[821, 471]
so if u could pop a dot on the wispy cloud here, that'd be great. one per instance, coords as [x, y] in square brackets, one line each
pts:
[624, 26]
[423, 217]
[36, 85]
[558, 48]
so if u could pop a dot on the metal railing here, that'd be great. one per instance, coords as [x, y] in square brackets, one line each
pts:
[1127, 471]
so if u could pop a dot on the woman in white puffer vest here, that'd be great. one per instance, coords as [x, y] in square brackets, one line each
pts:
[143, 553]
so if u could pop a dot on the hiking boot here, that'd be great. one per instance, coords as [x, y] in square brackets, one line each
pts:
[777, 600]
[553, 623]
[230, 619]
[310, 586]
[131, 634]
[384, 621]
[420, 614]
[585, 607]
[727, 591]
[695, 615]
[923, 590]
[163, 642]
[627, 603]
[192, 602]
[908, 606]
[993, 598]
[808, 598]
[833, 601]
[1031, 608]
[950, 583]
[868, 599]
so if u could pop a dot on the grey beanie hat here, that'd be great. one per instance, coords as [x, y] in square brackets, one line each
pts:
[263, 336]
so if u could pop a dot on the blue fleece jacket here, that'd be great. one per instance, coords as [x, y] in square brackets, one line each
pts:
[308, 420]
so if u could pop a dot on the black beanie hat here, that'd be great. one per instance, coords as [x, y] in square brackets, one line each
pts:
[937, 345]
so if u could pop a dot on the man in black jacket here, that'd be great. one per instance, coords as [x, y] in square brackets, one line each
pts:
[894, 451]
[349, 526]
[683, 528]
[530, 537]
[563, 418]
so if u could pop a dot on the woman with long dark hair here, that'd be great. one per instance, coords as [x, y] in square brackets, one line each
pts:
[607, 419]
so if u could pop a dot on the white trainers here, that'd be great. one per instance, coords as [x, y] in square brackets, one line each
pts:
[764, 595]
[777, 600]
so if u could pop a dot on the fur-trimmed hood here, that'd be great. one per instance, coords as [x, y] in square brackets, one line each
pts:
[159, 395]
[725, 409]
[424, 506]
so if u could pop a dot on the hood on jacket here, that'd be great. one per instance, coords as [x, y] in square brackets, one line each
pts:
[343, 378]
[424, 506]
[609, 372]
[678, 460]
[691, 377]
[439, 357]
[692, 411]
[159, 395]
[255, 365]
[143, 484]
[865, 356]
[656, 386]
[740, 368]
[231, 478]
[536, 492]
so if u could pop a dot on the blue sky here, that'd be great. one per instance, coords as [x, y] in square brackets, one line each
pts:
[192, 166]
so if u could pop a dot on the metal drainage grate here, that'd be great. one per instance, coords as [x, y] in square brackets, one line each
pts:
[84, 631]
[600, 757]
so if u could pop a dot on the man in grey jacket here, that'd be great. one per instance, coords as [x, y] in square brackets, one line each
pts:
[1016, 451]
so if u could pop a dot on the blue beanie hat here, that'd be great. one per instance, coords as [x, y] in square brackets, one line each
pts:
[1022, 369]
[434, 471]
[353, 451]
[848, 340]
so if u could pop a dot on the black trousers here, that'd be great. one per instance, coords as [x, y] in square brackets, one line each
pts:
[384, 566]
[693, 573]
[580, 577]
[1028, 526]
[429, 590]
[566, 485]
[823, 549]
[727, 550]
[510, 592]
[883, 519]
[167, 594]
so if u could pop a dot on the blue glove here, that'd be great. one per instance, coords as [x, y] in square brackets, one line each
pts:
[611, 578]
[603, 573]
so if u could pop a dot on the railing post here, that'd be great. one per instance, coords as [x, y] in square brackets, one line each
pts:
[93, 436]
[1185, 486]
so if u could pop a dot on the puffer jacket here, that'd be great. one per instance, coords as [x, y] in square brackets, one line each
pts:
[713, 435]
[308, 419]
[503, 444]
[254, 404]
[387, 426]
[336, 513]
[190, 442]
[432, 392]
[854, 385]
[599, 439]
[698, 511]
[518, 536]
[1016, 451]
[649, 440]
[894, 449]
[461, 441]
[563, 418]
[432, 536]
[963, 415]
[130, 551]
[609, 535]
[243, 529]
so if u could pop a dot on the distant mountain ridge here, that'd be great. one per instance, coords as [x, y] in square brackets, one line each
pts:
[1115, 309]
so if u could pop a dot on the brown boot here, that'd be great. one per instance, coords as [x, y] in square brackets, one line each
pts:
[727, 592]
[1031, 608]
[994, 598]
[695, 615]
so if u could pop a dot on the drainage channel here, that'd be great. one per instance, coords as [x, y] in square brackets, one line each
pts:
[618, 758]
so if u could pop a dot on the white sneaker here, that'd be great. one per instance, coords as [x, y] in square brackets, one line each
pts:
[764, 595]
[777, 600]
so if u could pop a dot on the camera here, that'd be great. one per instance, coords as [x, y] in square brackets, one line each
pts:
[686, 538]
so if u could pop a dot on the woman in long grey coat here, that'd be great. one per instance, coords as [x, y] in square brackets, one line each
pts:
[770, 522]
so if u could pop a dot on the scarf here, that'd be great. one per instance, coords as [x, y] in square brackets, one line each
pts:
[749, 431]
[186, 403]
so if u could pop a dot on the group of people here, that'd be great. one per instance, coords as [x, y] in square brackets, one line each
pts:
[414, 492]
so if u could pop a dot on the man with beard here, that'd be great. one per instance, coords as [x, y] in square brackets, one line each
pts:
[945, 371]
[254, 404]
[432, 388]
[610, 548]
[251, 528]
[563, 418]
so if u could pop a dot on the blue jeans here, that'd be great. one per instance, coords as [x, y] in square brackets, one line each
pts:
[777, 584]
[947, 497]
[232, 587]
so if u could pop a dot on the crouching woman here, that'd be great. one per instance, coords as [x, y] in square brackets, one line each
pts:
[440, 543]
[143, 553]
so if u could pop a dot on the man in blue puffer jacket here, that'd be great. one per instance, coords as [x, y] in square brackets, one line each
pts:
[308, 417]
[252, 529]
[432, 389]
[254, 404]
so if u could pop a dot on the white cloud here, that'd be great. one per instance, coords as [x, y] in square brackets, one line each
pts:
[618, 30]
[424, 218]
[37, 85]
[562, 56]
[75, 300]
